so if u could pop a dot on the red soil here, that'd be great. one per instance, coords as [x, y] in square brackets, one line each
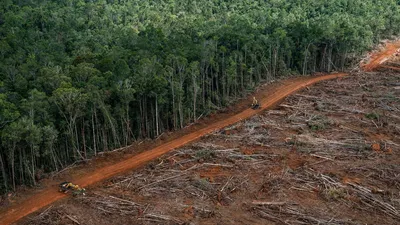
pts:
[381, 57]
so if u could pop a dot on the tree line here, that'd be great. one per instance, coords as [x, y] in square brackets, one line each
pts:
[79, 77]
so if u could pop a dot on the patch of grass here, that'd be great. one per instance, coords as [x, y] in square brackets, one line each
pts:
[203, 184]
[300, 146]
[366, 89]
[318, 123]
[372, 116]
[334, 194]
[295, 142]
[205, 154]
[315, 127]
[392, 97]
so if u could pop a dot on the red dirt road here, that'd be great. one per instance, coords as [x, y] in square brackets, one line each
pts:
[381, 57]
[288, 87]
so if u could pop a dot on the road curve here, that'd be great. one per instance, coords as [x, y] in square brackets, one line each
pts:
[381, 57]
[51, 194]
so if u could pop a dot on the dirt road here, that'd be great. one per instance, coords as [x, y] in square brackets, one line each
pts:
[51, 194]
[381, 57]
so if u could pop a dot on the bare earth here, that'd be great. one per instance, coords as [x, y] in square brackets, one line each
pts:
[329, 154]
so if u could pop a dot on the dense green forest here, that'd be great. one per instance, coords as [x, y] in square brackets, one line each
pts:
[79, 77]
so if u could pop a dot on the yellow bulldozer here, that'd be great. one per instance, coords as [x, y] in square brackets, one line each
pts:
[66, 186]
[255, 104]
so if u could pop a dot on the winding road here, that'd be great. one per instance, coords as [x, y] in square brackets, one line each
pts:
[288, 87]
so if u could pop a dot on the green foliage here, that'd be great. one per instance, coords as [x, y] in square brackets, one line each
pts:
[205, 154]
[372, 116]
[8, 111]
[81, 77]
[318, 123]
[334, 194]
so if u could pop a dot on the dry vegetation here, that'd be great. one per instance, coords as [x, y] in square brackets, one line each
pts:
[327, 155]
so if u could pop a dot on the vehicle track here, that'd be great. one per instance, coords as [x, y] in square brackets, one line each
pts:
[51, 194]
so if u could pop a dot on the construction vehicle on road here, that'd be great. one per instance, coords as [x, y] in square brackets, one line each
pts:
[255, 104]
[65, 187]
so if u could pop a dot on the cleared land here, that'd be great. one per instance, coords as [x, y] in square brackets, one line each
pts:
[268, 98]
[328, 155]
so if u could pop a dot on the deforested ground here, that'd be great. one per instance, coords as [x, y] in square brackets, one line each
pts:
[327, 155]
